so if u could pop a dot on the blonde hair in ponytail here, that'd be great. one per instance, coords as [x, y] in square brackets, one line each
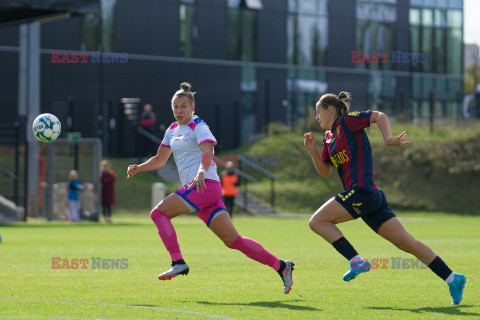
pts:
[185, 92]
[340, 102]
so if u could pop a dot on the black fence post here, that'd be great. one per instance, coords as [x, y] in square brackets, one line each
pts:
[25, 186]
[17, 163]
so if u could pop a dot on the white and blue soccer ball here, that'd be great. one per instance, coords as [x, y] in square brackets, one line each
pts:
[46, 127]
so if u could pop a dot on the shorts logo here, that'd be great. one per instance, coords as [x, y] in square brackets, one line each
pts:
[356, 207]
[341, 196]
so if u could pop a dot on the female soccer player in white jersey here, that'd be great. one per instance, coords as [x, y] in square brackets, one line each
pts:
[191, 142]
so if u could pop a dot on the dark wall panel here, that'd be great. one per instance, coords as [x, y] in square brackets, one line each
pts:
[272, 28]
[212, 32]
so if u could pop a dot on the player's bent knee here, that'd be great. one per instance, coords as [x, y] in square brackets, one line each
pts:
[155, 214]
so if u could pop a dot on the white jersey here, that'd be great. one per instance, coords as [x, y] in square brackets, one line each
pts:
[184, 140]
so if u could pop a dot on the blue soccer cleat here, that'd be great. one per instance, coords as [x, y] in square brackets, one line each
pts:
[456, 287]
[356, 267]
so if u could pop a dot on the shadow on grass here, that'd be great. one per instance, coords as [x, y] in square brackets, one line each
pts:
[452, 310]
[264, 304]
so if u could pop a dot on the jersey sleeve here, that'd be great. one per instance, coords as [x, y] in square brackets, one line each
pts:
[166, 139]
[325, 156]
[203, 134]
[357, 120]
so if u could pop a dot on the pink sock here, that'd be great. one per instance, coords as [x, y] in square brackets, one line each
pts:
[167, 233]
[255, 251]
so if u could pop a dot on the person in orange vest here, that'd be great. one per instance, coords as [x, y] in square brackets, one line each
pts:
[230, 181]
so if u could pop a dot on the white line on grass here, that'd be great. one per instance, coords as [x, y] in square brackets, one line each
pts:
[122, 305]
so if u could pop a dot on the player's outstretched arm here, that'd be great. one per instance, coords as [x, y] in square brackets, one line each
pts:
[383, 124]
[154, 163]
[323, 168]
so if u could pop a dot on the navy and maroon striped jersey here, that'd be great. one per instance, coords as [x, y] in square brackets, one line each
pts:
[346, 146]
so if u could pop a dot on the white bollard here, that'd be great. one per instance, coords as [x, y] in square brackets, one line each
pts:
[158, 193]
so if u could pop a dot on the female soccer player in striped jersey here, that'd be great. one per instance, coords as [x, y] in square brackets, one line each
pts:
[346, 146]
[191, 142]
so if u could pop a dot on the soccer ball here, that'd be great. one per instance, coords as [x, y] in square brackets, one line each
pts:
[46, 127]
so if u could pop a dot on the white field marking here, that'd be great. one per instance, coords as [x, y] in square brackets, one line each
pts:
[121, 305]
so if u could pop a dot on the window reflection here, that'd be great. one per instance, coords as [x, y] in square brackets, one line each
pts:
[307, 32]
[188, 29]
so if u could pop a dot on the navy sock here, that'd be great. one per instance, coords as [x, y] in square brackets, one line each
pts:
[345, 248]
[179, 261]
[281, 268]
[440, 268]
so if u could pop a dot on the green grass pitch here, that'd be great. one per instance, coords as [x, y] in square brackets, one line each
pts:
[223, 283]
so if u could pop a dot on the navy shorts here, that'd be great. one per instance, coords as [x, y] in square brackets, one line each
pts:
[370, 205]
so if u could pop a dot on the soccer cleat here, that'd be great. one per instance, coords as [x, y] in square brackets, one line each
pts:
[356, 267]
[456, 288]
[287, 276]
[174, 271]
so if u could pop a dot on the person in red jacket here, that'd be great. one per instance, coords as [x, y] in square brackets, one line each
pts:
[147, 123]
[107, 179]
[230, 181]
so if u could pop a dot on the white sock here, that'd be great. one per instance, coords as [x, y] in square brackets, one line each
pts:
[357, 257]
[450, 277]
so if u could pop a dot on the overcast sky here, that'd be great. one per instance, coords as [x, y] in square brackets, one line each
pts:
[471, 21]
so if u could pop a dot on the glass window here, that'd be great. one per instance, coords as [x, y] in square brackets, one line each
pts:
[249, 35]
[108, 25]
[293, 5]
[90, 32]
[454, 51]
[254, 4]
[427, 87]
[426, 46]
[188, 30]
[416, 87]
[441, 88]
[438, 54]
[249, 79]
[233, 38]
[440, 18]
[454, 18]
[307, 6]
[307, 32]
[242, 34]
[415, 18]
[427, 17]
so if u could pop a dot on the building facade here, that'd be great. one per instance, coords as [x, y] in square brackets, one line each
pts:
[251, 62]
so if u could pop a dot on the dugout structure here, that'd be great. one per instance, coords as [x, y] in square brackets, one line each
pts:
[62, 156]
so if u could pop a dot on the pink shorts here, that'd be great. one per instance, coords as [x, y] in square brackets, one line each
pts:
[208, 204]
